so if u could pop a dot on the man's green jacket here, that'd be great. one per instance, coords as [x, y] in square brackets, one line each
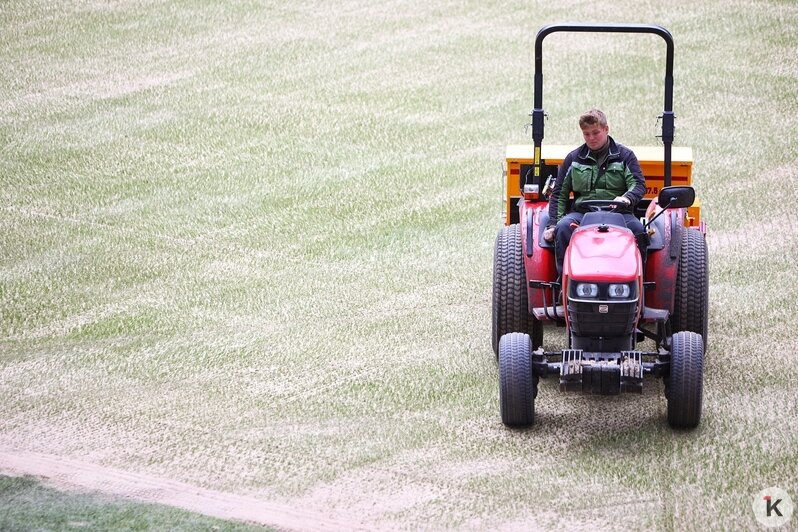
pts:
[620, 175]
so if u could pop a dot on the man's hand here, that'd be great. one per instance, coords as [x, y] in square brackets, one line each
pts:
[548, 234]
[623, 199]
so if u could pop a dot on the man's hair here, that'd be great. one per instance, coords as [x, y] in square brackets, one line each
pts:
[592, 118]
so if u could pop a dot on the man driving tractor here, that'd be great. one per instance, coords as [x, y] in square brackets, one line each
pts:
[600, 169]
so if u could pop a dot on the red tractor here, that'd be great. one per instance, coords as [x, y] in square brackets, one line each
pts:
[612, 301]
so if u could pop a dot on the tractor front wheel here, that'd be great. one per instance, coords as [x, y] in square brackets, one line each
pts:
[684, 386]
[518, 385]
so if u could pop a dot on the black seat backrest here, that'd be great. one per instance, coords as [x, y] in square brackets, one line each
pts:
[603, 217]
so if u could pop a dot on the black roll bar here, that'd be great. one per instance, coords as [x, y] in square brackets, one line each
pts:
[668, 123]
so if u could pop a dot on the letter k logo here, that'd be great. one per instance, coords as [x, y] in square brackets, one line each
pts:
[772, 506]
[777, 509]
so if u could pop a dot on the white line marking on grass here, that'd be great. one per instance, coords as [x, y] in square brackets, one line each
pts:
[72, 474]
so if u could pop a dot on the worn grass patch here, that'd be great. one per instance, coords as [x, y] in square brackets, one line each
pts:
[25, 504]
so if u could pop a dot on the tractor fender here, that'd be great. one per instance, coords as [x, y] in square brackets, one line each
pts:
[538, 260]
[662, 264]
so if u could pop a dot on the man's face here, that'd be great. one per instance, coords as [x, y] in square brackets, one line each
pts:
[595, 136]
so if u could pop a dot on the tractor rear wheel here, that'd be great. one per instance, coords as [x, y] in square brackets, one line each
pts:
[684, 386]
[691, 299]
[518, 385]
[510, 311]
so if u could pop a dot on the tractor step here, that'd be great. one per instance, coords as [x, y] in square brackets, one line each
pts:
[601, 373]
[548, 313]
[655, 315]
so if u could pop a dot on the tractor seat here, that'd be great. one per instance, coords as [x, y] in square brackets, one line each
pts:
[603, 217]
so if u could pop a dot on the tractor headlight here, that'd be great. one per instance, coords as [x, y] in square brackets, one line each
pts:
[619, 291]
[587, 290]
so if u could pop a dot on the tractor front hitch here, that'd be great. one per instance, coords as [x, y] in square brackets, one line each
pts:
[600, 373]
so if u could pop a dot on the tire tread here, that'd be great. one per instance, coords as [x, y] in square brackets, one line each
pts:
[517, 382]
[691, 300]
[510, 303]
[686, 380]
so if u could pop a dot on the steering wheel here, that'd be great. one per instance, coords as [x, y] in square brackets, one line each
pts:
[600, 205]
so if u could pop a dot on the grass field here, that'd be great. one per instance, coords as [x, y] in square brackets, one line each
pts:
[248, 247]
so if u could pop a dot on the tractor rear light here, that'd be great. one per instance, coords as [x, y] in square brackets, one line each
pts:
[587, 290]
[531, 192]
[619, 291]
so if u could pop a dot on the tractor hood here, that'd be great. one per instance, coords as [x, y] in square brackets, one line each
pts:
[602, 254]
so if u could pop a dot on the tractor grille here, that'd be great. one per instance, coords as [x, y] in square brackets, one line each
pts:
[602, 319]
